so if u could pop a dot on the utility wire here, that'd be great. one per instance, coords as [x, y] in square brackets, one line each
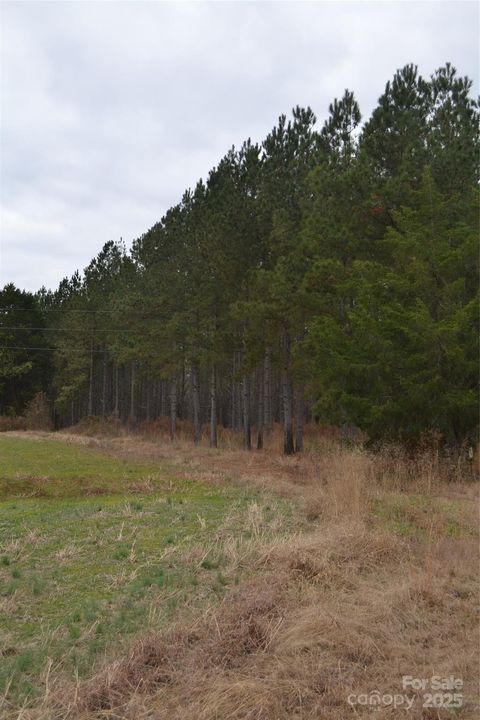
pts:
[60, 310]
[53, 349]
[89, 330]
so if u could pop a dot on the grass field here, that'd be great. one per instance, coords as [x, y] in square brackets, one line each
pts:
[149, 580]
[93, 548]
[52, 469]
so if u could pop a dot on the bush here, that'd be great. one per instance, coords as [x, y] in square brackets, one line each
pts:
[38, 413]
[12, 423]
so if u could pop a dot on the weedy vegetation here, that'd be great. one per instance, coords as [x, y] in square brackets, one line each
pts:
[146, 579]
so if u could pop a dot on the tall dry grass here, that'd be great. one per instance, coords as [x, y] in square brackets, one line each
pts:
[346, 609]
[378, 579]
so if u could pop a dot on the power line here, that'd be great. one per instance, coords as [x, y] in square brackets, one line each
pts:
[40, 311]
[52, 349]
[94, 330]
[80, 350]
[59, 310]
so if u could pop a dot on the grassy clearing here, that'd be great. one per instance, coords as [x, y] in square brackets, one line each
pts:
[78, 573]
[384, 584]
[365, 569]
[346, 609]
[46, 468]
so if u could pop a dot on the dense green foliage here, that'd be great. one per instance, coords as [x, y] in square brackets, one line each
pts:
[23, 373]
[326, 274]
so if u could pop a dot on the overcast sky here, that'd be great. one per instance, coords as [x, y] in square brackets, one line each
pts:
[109, 111]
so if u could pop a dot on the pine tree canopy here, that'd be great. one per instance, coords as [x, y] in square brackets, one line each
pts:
[325, 274]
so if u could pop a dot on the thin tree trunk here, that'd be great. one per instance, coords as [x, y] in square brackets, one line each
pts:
[299, 420]
[132, 393]
[163, 398]
[116, 408]
[148, 398]
[173, 408]
[154, 390]
[260, 408]
[233, 406]
[267, 373]
[247, 439]
[181, 395]
[287, 393]
[197, 429]
[90, 385]
[104, 385]
[213, 407]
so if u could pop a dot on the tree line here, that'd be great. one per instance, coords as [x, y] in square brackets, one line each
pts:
[323, 275]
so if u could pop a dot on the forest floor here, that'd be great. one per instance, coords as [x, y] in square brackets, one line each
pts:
[145, 579]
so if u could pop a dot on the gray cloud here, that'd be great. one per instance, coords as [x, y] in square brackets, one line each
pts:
[111, 110]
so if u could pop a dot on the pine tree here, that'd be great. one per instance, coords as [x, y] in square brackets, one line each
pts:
[25, 361]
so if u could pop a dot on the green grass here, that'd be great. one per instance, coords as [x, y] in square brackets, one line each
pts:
[49, 468]
[413, 515]
[79, 572]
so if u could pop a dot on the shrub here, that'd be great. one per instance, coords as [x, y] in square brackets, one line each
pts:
[38, 413]
[12, 423]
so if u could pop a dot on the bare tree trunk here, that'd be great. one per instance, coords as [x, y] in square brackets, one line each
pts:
[116, 392]
[153, 402]
[239, 405]
[287, 393]
[173, 408]
[163, 399]
[213, 407]
[197, 430]
[104, 385]
[260, 407]
[233, 407]
[267, 374]
[148, 398]
[238, 386]
[181, 394]
[299, 420]
[247, 439]
[90, 384]
[132, 393]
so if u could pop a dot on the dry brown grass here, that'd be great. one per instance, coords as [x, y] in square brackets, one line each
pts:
[343, 610]
[378, 581]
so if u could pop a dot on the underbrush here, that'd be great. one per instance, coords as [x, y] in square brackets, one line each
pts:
[7, 423]
[228, 439]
